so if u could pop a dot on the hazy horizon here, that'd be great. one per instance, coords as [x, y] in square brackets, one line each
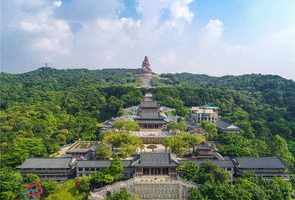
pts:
[215, 38]
[134, 68]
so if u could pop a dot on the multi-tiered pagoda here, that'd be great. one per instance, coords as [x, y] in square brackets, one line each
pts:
[148, 114]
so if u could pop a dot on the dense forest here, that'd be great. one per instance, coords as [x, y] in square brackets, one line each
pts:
[44, 109]
[262, 105]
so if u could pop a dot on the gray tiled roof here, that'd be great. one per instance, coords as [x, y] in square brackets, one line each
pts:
[263, 162]
[100, 163]
[35, 163]
[150, 121]
[79, 150]
[224, 125]
[150, 115]
[155, 159]
[149, 104]
[219, 163]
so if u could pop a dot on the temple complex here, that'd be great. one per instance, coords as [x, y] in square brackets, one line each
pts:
[148, 114]
[151, 172]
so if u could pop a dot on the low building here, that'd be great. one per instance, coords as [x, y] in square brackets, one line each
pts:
[151, 164]
[58, 169]
[204, 113]
[195, 128]
[82, 150]
[227, 127]
[266, 167]
[144, 164]
[87, 167]
[207, 150]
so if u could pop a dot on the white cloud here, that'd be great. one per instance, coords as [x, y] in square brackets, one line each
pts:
[47, 33]
[104, 39]
[180, 10]
[214, 28]
[57, 3]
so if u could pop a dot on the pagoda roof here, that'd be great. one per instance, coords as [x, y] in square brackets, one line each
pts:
[149, 115]
[155, 160]
[149, 104]
[150, 121]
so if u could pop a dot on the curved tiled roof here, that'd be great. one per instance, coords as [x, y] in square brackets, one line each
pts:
[263, 162]
[49, 163]
[155, 160]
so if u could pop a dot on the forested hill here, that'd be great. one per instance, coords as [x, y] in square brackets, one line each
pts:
[271, 89]
[62, 78]
[47, 108]
[250, 82]
[262, 105]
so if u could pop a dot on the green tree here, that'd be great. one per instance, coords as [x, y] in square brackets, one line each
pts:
[280, 149]
[182, 142]
[11, 185]
[210, 128]
[195, 194]
[49, 187]
[101, 178]
[112, 108]
[177, 126]
[280, 189]
[125, 143]
[61, 195]
[188, 170]
[237, 145]
[126, 125]
[176, 145]
[24, 148]
[116, 169]
[104, 151]
[209, 172]
[30, 178]
[192, 140]
[82, 184]
[121, 195]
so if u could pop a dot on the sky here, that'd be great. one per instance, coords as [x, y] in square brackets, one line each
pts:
[215, 37]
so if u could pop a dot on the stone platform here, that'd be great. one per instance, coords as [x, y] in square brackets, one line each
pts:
[149, 188]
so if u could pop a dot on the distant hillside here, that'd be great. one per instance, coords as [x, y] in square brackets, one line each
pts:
[275, 90]
[251, 82]
[60, 78]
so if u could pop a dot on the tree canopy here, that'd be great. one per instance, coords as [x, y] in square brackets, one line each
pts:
[183, 143]
[123, 144]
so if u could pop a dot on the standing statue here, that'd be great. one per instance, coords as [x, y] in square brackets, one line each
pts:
[146, 67]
